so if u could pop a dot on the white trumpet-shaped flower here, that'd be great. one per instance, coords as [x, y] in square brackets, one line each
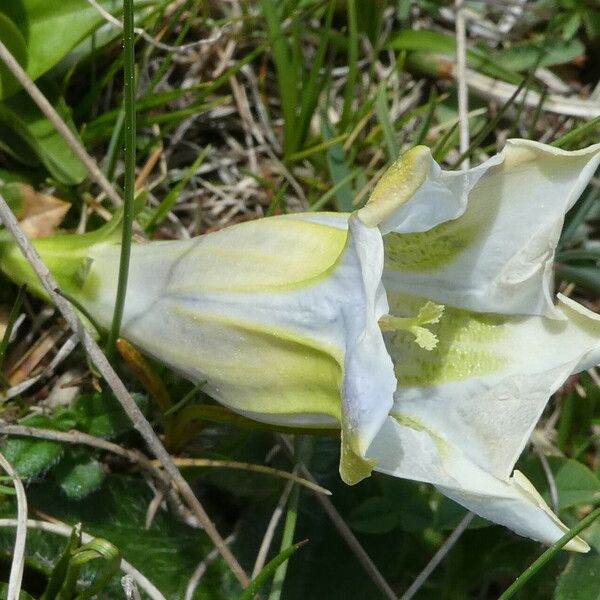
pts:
[423, 324]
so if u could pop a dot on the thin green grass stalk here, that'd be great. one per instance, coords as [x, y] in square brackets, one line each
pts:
[114, 147]
[549, 554]
[538, 113]
[350, 90]
[491, 124]
[287, 73]
[587, 277]
[129, 185]
[383, 116]
[579, 214]
[329, 194]
[171, 198]
[261, 579]
[82, 310]
[576, 134]
[289, 529]
[427, 119]
[310, 91]
[168, 60]
[12, 318]
[185, 400]
[317, 148]
[443, 145]
[575, 255]
[276, 202]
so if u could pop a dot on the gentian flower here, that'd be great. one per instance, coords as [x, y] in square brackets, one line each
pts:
[423, 324]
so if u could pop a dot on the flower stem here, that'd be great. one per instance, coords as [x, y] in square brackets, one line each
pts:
[129, 183]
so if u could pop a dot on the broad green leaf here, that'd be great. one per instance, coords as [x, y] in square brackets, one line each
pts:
[79, 475]
[579, 580]
[586, 277]
[101, 415]
[411, 501]
[434, 42]
[11, 37]
[375, 515]
[52, 28]
[30, 456]
[575, 483]
[546, 53]
[30, 137]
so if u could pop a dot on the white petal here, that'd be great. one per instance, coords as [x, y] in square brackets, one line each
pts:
[279, 317]
[487, 382]
[410, 449]
[484, 239]
[369, 381]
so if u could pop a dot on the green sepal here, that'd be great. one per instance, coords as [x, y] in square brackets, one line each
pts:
[65, 255]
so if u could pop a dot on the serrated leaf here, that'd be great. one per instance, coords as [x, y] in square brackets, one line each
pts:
[79, 475]
[375, 515]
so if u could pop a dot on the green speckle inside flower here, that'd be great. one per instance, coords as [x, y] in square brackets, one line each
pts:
[434, 248]
[469, 345]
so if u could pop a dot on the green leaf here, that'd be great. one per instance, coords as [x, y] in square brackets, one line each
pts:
[52, 28]
[166, 553]
[587, 277]
[30, 137]
[79, 475]
[579, 580]
[435, 43]
[30, 456]
[375, 515]
[575, 483]
[338, 171]
[267, 572]
[100, 415]
[22, 595]
[544, 53]
[411, 502]
[11, 37]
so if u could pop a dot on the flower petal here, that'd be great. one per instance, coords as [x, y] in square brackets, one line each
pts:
[487, 382]
[484, 239]
[369, 381]
[410, 449]
[279, 316]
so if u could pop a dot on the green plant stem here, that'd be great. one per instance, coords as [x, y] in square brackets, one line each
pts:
[129, 184]
[289, 529]
[261, 579]
[522, 579]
